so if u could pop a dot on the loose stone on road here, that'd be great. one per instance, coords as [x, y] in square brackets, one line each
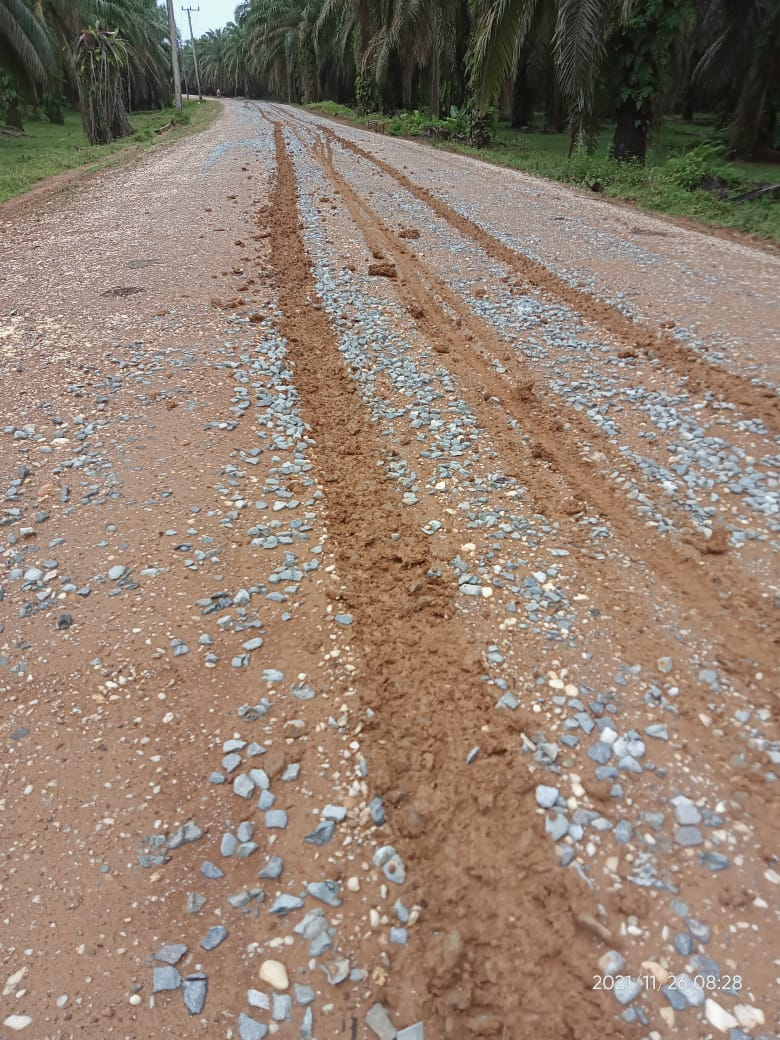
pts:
[388, 603]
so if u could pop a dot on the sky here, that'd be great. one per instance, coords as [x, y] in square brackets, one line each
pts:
[213, 14]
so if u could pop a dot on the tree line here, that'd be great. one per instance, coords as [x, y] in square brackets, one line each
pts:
[578, 62]
[106, 57]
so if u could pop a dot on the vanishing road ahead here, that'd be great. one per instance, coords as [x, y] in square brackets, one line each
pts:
[388, 603]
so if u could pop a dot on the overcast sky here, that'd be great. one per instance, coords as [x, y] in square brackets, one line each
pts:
[213, 14]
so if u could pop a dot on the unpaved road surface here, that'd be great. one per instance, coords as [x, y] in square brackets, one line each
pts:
[388, 604]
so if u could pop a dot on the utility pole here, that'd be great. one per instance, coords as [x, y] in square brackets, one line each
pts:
[174, 56]
[189, 11]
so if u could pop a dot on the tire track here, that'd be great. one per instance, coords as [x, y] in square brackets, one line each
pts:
[487, 920]
[740, 621]
[762, 403]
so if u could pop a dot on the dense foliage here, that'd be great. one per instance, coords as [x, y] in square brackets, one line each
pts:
[106, 56]
[577, 61]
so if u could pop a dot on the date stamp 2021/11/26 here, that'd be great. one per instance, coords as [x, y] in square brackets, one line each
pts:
[680, 983]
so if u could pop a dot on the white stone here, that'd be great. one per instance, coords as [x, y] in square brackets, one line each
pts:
[13, 981]
[17, 1022]
[275, 974]
[258, 999]
[718, 1017]
[749, 1017]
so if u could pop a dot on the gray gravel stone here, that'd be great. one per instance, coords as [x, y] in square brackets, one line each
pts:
[714, 861]
[413, 1032]
[171, 953]
[281, 1007]
[658, 731]
[321, 834]
[546, 797]
[336, 971]
[688, 836]
[391, 864]
[165, 978]
[675, 998]
[249, 1029]
[276, 819]
[326, 891]
[313, 923]
[556, 826]
[612, 962]
[376, 811]
[304, 995]
[245, 831]
[686, 813]
[194, 991]
[600, 753]
[243, 786]
[272, 869]
[185, 835]
[626, 989]
[214, 936]
[229, 844]
[380, 1023]
[260, 779]
[683, 943]
[285, 904]
[211, 870]
[195, 902]
[699, 929]
[623, 832]
[307, 1025]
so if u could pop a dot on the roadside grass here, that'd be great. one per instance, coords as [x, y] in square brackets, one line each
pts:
[680, 156]
[48, 149]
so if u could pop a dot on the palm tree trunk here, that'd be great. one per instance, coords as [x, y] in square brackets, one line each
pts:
[505, 100]
[13, 115]
[435, 87]
[630, 140]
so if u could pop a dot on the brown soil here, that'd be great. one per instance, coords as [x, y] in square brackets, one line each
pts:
[135, 368]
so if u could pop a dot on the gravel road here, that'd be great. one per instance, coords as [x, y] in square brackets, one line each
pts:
[388, 603]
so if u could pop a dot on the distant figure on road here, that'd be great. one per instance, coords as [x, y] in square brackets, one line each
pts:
[219, 92]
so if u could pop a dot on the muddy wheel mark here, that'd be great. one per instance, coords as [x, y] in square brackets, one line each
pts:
[430, 705]
[745, 626]
[660, 344]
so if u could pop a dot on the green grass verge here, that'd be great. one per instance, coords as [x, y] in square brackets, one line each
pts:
[680, 155]
[48, 149]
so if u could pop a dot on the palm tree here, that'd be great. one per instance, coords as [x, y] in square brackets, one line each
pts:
[101, 57]
[28, 54]
[142, 27]
[627, 44]
[740, 69]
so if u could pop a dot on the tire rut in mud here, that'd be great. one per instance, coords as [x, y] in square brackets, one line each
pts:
[761, 403]
[501, 927]
[727, 607]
